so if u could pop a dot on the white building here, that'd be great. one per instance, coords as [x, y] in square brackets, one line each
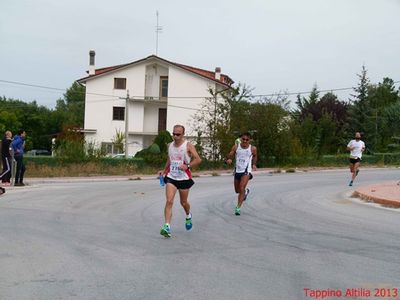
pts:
[152, 94]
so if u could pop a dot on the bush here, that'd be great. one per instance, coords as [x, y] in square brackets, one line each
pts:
[70, 146]
[151, 158]
[154, 149]
[162, 140]
[42, 166]
[156, 155]
[56, 167]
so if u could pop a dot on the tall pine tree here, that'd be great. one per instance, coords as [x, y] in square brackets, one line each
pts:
[361, 112]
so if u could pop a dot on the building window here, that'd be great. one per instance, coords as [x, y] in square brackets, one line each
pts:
[110, 148]
[107, 147]
[163, 87]
[162, 119]
[120, 83]
[118, 113]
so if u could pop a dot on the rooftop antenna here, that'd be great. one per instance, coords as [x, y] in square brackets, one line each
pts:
[158, 30]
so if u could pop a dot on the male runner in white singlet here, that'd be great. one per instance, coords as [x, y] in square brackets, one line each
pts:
[356, 148]
[246, 160]
[182, 155]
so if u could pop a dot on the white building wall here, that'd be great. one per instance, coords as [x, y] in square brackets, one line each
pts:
[153, 73]
[135, 144]
[151, 119]
[186, 92]
[185, 84]
[135, 79]
[136, 116]
[101, 97]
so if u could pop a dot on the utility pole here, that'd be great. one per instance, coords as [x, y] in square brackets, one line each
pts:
[126, 124]
[158, 30]
[215, 125]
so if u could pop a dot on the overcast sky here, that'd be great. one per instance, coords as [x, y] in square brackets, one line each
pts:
[270, 45]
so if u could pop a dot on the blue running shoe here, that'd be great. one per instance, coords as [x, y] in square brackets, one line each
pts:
[351, 183]
[165, 230]
[188, 223]
[246, 193]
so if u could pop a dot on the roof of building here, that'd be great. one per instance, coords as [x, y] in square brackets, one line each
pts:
[224, 79]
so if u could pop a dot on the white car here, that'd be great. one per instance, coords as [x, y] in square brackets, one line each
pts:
[120, 155]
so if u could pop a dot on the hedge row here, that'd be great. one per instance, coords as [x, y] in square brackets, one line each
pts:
[114, 166]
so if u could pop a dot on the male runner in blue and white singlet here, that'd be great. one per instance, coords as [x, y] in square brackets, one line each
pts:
[246, 159]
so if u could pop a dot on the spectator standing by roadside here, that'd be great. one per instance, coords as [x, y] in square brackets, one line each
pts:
[6, 158]
[18, 145]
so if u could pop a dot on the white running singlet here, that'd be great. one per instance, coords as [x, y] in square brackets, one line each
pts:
[243, 159]
[357, 151]
[177, 157]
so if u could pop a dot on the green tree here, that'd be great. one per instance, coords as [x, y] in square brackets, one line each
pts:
[327, 141]
[213, 122]
[320, 123]
[304, 133]
[31, 117]
[269, 122]
[71, 109]
[381, 97]
[9, 121]
[360, 112]
[307, 106]
[236, 118]
[332, 124]
[304, 126]
[391, 118]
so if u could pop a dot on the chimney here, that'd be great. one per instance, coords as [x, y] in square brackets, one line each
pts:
[92, 69]
[218, 73]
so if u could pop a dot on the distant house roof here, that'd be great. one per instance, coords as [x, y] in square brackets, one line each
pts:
[224, 79]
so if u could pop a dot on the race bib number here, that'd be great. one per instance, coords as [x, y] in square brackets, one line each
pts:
[175, 171]
[241, 161]
[240, 164]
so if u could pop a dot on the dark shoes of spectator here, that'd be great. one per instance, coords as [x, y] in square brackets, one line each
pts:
[19, 184]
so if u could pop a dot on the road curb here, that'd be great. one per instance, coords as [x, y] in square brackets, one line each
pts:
[384, 193]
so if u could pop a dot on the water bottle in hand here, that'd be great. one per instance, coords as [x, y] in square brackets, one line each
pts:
[162, 182]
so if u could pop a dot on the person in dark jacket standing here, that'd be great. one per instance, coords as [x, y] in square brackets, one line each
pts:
[18, 145]
[6, 158]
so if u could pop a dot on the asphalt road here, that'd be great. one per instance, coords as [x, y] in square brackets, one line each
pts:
[299, 235]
